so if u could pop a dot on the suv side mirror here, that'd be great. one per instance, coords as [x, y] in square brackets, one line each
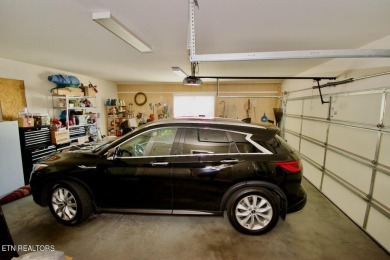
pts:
[112, 154]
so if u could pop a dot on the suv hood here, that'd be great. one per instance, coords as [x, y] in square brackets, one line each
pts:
[88, 147]
[83, 154]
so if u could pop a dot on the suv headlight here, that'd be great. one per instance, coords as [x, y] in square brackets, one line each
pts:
[38, 166]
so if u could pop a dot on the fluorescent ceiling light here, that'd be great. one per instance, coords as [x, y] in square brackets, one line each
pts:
[110, 23]
[179, 72]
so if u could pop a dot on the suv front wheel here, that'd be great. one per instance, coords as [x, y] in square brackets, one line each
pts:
[69, 203]
[253, 211]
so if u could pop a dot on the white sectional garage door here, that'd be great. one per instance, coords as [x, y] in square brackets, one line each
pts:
[345, 145]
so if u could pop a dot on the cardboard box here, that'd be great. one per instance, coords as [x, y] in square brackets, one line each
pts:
[68, 91]
[26, 122]
[89, 92]
[60, 137]
[41, 119]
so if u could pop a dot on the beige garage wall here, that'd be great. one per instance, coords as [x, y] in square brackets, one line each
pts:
[37, 87]
[231, 106]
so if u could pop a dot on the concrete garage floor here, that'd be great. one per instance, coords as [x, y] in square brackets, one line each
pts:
[320, 231]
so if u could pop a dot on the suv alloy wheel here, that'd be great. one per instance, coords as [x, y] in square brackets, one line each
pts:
[253, 211]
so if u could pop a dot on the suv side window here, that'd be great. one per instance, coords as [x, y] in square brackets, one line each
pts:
[276, 145]
[207, 141]
[243, 145]
[152, 143]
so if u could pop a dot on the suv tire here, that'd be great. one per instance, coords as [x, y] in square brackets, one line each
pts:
[69, 203]
[253, 211]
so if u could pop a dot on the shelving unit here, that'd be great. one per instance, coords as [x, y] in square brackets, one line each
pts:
[77, 114]
[115, 116]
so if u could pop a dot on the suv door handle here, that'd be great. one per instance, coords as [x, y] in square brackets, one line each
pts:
[229, 161]
[159, 163]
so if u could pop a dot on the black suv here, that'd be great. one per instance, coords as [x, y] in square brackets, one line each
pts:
[177, 166]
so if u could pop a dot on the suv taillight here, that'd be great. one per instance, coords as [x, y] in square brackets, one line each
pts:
[292, 166]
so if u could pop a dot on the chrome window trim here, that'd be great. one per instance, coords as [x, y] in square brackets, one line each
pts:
[248, 137]
[192, 155]
[261, 148]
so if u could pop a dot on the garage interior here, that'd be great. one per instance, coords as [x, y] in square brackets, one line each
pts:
[324, 65]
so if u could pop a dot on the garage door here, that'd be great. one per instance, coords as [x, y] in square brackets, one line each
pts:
[345, 145]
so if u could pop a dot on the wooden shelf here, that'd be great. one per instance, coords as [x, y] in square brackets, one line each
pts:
[63, 102]
[117, 117]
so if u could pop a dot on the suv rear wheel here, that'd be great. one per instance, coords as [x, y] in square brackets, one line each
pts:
[69, 203]
[253, 211]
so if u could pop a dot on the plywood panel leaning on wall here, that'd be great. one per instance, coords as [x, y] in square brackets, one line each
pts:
[12, 98]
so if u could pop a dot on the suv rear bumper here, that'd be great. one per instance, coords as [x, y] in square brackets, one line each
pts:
[299, 202]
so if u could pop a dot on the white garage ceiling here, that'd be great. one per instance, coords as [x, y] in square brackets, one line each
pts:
[62, 35]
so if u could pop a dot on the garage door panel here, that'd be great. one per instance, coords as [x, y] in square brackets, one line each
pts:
[294, 107]
[347, 201]
[384, 152]
[358, 141]
[386, 120]
[314, 129]
[312, 174]
[292, 140]
[313, 151]
[347, 144]
[351, 171]
[314, 108]
[293, 124]
[363, 109]
[382, 188]
[379, 227]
